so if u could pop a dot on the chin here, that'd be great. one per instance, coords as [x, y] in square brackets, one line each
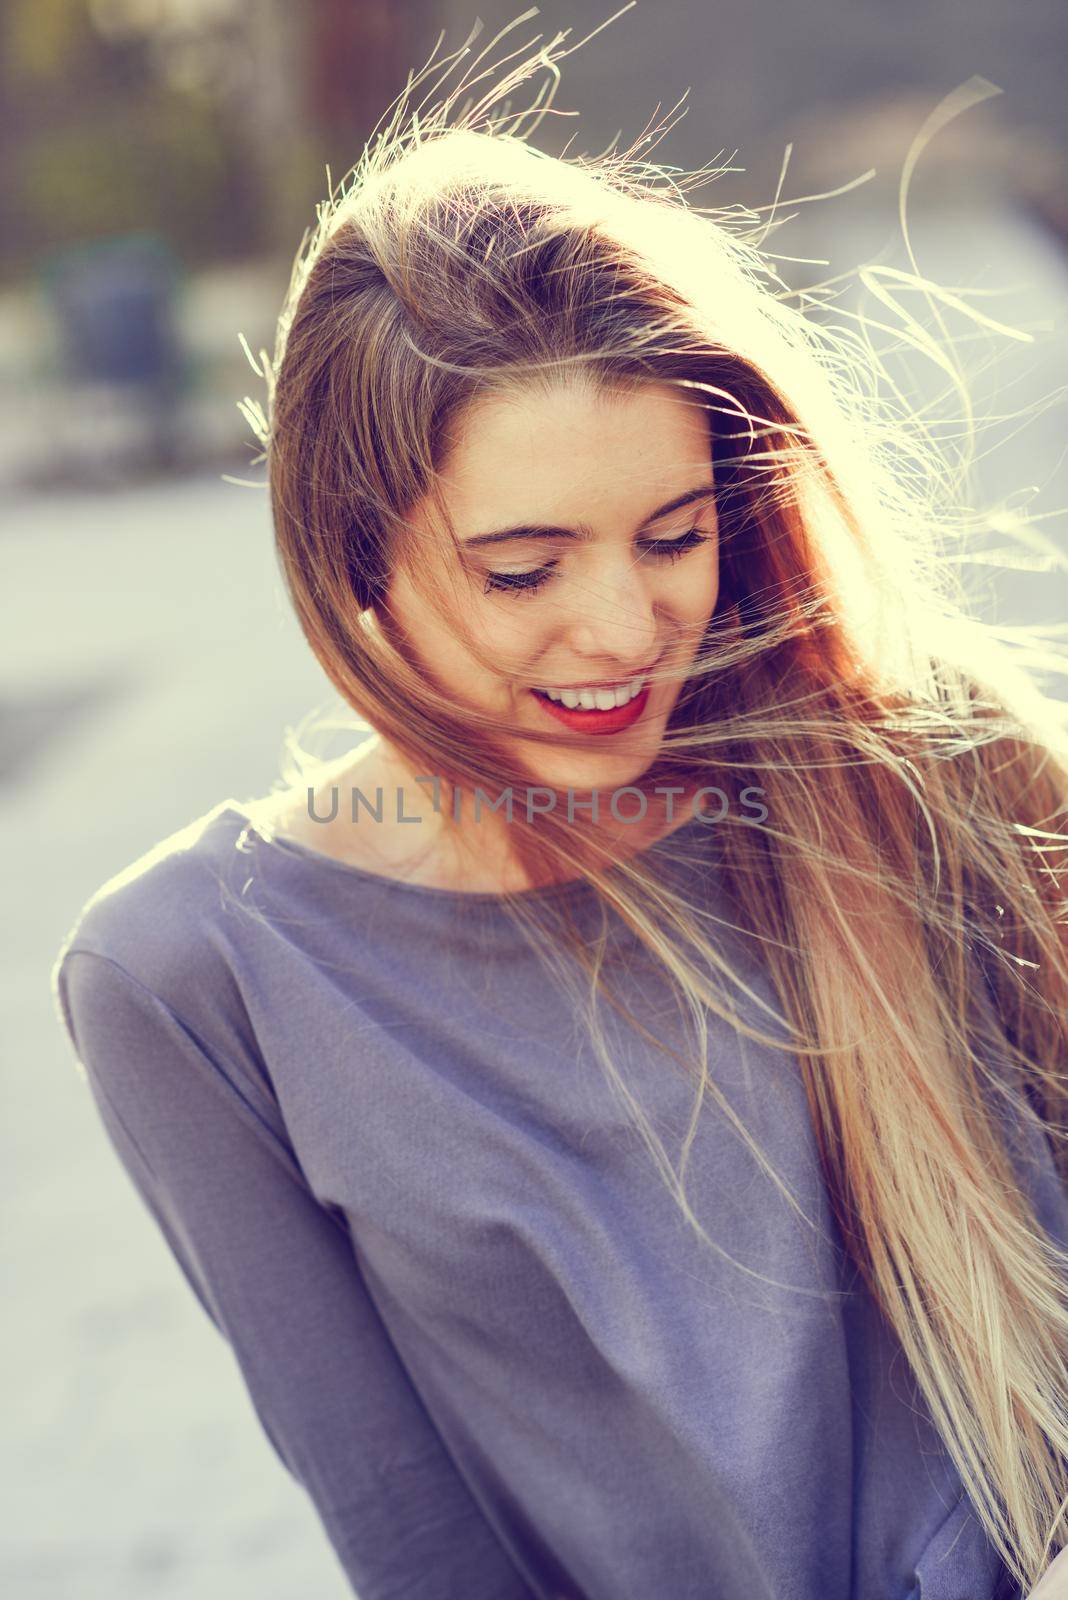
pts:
[601, 773]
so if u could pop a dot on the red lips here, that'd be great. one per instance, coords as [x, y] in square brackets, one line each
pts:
[595, 721]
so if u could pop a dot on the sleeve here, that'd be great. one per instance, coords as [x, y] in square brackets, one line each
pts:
[277, 1274]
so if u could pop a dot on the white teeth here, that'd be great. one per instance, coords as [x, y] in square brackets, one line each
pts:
[596, 699]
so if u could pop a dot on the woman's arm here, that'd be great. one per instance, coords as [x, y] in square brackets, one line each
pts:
[277, 1275]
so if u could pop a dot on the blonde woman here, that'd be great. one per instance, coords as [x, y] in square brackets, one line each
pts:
[616, 1113]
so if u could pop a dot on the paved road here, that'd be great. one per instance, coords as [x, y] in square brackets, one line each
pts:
[150, 651]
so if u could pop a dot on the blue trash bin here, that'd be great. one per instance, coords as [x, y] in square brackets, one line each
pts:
[115, 306]
[114, 303]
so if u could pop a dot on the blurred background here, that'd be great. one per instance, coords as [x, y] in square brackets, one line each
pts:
[159, 162]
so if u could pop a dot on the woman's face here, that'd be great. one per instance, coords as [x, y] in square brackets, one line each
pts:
[588, 554]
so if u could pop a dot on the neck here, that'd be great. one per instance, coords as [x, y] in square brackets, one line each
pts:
[459, 830]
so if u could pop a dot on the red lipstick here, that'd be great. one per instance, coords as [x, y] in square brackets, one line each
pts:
[595, 721]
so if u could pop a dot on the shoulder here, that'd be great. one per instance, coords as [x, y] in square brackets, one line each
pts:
[148, 984]
[162, 919]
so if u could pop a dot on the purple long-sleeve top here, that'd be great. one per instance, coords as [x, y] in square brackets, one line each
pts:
[470, 1316]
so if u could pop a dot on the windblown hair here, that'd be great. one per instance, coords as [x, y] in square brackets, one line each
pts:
[905, 890]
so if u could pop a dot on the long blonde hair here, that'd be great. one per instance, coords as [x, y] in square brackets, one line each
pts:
[905, 889]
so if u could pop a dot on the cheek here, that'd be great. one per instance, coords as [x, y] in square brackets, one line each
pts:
[433, 637]
[694, 592]
[509, 632]
[500, 644]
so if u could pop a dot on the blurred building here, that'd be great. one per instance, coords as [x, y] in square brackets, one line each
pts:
[206, 128]
[212, 121]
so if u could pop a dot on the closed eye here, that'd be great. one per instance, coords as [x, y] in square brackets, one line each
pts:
[530, 582]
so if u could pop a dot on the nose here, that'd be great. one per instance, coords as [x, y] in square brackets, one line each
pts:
[615, 622]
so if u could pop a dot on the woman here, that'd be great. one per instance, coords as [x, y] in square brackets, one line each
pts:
[615, 1113]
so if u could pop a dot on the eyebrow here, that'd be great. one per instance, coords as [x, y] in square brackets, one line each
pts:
[534, 530]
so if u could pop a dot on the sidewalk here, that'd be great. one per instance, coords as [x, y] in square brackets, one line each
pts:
[137, 1466]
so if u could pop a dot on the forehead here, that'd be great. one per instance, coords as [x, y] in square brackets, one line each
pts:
[573, 453]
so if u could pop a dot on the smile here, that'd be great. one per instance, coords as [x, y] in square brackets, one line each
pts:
[597, 698]
[596, 710]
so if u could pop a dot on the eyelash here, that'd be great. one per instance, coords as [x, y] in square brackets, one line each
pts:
[517, 583]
